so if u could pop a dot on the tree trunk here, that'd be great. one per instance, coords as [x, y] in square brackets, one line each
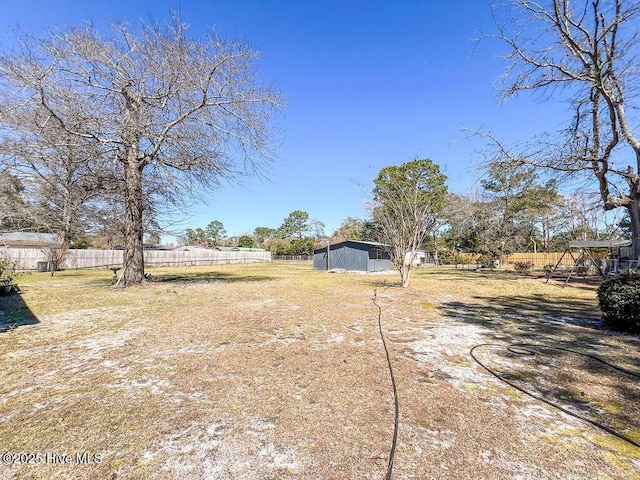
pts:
[435, 249]
[133, 228]
[66, 218]
[405, 272]
[634, 215]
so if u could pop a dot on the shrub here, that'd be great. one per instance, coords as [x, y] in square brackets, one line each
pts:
[488, 261]
[523, 267]
[7, 268]
[464, 260]
[619, 300]
[582, 270]
[447, 257]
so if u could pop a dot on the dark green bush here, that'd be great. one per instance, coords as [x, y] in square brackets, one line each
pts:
[619, 299]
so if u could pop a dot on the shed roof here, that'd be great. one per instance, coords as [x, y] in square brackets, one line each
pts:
[361, 242]
[375, 244]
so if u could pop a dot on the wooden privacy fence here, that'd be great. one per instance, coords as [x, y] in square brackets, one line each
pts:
[538, 259]
[28, 258]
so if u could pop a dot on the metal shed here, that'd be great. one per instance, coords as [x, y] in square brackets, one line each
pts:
[353, 255]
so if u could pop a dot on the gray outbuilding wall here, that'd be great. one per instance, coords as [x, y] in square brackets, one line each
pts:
[353, 255]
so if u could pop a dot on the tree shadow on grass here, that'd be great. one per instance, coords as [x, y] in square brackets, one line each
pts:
[558, 351]
[208, 277]
[538, 310]
[593, 389]
[589, 282]
[14, 312]
[537, 318]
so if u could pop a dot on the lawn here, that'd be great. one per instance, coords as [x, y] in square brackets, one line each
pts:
[276, 371]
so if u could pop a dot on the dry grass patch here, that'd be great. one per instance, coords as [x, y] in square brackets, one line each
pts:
[277, 371]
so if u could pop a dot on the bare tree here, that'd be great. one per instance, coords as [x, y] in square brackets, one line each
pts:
[585, 51]
[61, 176]
[169, 114]
[350, 229]
[56, 256]
[406, 200]
[316, 227]
[14, 211]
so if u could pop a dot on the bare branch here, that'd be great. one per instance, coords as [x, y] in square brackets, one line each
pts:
[585, 47]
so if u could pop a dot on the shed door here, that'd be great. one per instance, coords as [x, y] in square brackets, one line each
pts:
[338, 258]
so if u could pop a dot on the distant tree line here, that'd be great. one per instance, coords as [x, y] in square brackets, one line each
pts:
[297, 235]
[513, 210]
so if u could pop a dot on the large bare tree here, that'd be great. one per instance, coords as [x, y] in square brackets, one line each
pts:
[169, 114]
[585, 52]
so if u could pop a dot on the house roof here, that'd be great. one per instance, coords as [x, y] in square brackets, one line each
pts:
[191, 248]
[29, 239]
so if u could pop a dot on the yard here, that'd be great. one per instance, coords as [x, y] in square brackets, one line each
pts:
[276, 371]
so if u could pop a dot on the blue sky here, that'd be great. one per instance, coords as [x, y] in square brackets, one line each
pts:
[366, 83]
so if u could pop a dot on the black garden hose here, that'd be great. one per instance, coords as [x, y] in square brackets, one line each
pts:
[525, 349]
[395, 393]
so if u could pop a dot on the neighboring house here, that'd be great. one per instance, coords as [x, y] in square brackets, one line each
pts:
[239, 249]
[191, 248]
[419, 258]
[30, 240]
[353, 255]
[199, 248]
[145, 246]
